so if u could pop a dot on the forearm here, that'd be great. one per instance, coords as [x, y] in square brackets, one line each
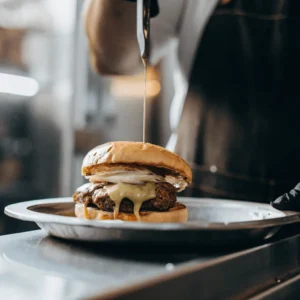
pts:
[111, 30]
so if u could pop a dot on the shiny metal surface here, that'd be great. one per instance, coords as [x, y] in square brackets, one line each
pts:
[34, 266]
[211, 222]
[271, 270]
[289, 289]
[143, 27]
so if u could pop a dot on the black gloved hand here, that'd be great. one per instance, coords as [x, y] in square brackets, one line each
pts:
[154, 7]
[288, 201]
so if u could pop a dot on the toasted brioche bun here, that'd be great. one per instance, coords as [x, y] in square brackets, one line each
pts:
[128, 155]
[177, 214]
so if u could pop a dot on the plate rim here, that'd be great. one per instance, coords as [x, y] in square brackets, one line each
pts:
[20, 211]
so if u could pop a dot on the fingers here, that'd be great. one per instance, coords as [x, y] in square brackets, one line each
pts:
[288, 201]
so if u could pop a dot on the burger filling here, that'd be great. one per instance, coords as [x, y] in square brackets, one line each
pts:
[139, 175]
[127, 198]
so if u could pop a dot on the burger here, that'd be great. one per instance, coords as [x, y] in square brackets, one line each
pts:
[132, 181]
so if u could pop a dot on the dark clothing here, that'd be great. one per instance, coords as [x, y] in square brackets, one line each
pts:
[240, 126]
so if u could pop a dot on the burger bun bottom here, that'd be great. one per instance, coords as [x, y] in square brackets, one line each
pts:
[176, 214]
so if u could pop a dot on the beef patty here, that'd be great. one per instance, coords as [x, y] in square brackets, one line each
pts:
[95, 195]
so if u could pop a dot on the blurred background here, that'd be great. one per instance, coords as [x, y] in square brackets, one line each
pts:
[54, 108]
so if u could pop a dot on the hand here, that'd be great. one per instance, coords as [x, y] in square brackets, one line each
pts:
[288, 201]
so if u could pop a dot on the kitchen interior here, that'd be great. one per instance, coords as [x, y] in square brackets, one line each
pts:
[54, 108]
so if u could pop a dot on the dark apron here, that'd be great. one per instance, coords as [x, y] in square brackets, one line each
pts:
[240, 127]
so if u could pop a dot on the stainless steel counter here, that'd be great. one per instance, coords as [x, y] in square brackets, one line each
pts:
[38, 267]
[34, 266]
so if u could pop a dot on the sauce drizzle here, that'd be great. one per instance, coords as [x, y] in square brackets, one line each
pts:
[136, 193]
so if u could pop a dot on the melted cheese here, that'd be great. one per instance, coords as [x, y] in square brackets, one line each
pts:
[85, 212]
[136, 193]
[178, 182]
